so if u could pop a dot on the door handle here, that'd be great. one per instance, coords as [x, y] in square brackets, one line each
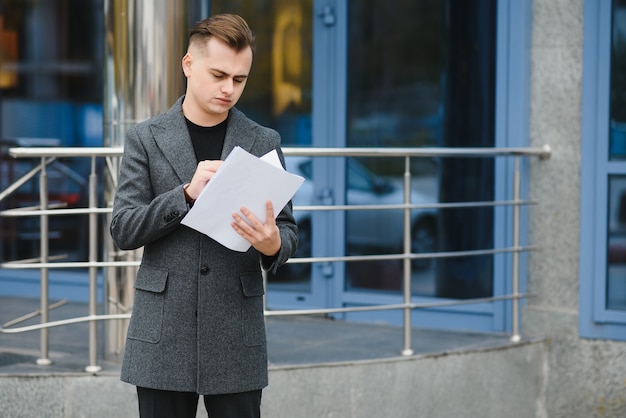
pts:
[328, 15]
[326, 197]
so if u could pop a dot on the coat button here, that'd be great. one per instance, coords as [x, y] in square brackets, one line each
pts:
[204, 270]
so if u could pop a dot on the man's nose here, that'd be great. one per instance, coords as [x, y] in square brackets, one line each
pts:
[228, 86]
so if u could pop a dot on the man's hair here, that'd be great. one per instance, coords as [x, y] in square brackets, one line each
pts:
[228, 28]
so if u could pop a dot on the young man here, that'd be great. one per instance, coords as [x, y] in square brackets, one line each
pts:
[197, 326]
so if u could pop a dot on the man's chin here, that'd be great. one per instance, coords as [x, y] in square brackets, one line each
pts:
[220, 109]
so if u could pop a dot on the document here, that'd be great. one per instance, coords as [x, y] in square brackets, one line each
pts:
[242, 180]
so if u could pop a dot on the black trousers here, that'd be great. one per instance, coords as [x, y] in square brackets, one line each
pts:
[155, 403]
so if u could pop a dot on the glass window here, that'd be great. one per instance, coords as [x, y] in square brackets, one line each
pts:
[421, 73]
[616, 242]
[51, 89]
[603, 203]
[616, 219]
[617, 147]
[278, 93]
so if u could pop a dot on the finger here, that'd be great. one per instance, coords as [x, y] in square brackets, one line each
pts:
[243, 223]
[214, 165]
[253, 220]
[242, 227]
[238, 228]
[248, 223]
[269, 211]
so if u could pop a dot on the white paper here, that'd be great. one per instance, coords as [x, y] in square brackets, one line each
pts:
[242, 180]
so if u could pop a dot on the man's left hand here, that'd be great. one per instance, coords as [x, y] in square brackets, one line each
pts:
[264, 237]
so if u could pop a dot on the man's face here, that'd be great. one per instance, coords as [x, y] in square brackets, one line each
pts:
[216, 76]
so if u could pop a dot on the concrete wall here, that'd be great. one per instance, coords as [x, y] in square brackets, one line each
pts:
[586, 378]
[507, 382]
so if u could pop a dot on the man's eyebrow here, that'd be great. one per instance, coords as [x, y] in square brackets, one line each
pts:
[217, 70]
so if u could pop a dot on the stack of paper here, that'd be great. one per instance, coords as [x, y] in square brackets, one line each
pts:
[243, 180]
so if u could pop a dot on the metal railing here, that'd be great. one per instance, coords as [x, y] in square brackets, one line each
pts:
[111, 156]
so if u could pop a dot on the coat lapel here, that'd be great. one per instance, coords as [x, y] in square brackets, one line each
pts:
[172, 136]
[240, 132]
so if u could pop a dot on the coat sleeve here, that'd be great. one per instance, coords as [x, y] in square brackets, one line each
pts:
[141, 216]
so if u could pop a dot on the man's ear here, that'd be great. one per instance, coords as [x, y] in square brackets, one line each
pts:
[186, 63]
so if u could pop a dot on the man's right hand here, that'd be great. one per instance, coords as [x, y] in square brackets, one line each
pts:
[204, 172]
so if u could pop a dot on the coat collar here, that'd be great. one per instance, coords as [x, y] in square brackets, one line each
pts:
[172, 136]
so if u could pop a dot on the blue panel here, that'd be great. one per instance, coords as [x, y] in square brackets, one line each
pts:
[63, 284]
[89, 125]
[38, 119]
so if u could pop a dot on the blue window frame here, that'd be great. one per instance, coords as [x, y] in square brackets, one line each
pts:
[603, 175]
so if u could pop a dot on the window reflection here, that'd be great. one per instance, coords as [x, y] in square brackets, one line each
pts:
[8, 56]
[617, 148]
[616, 253]
[278, 92]
[422, 73]
[616, 225]
[51, 76]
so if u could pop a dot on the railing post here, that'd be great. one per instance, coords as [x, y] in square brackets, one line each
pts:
[43, 271]
[515, 335]
[93, 271]
[407, 350]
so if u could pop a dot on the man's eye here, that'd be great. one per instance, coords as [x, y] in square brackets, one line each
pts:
[218, 76]
[239, 80]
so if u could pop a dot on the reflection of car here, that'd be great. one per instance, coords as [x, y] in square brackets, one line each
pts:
[368, 231]
[66, 188]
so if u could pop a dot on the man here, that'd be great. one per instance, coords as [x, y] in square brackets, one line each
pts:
[197, 326]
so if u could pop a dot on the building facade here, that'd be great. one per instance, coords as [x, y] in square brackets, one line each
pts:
[428, 73]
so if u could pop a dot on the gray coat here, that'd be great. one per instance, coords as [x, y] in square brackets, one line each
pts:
[197, 322]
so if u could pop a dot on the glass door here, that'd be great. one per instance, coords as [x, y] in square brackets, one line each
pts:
[279, 94]
[420, 74]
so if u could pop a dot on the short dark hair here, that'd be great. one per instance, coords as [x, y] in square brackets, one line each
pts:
[229, 28]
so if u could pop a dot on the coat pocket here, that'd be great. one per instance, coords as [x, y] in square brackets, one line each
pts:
[253, 321]
[147, 318]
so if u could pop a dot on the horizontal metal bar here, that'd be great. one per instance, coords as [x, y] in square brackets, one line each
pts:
[20, 212]
[62, 322]
[413, 206]
[69, 265]
[88, 318]
[23, 212]
[543, 152]
[300, 260]
[412, 256]
[398, 306]
[30, 152]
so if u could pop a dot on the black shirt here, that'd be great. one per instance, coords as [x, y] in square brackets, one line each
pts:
[207, 141]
